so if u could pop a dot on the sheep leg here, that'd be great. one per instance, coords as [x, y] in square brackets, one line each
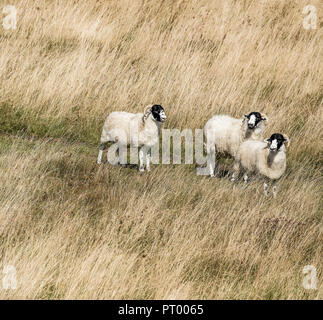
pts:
[245, 178]
[113, 154]
[275, 189]
[211, 160]
[148, 156]
[217, 165]
[141, 160]
[265, 189]
[236, 171]
[102, 147]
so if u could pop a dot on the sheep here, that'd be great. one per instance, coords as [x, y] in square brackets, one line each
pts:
[139, 130]
[224, 134]
[267, 158]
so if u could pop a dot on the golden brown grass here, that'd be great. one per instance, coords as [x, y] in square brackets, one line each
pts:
[73, 229]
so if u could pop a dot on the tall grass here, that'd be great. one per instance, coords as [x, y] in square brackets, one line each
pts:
[73, 229]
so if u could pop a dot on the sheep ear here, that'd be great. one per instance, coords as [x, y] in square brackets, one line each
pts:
[245, 116]
[264, 118]
[286, 140]
[267, 140]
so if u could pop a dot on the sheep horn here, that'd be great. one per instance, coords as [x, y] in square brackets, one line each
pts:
[147, 112]
[265, 118]
[287, 140]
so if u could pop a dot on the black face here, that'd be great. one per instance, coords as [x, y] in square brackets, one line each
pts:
[158, 113]
[276, 141]
[253, 119]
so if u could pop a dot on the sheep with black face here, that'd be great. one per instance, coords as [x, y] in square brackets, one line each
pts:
[267, 158]
[139, 130]
[225, 134]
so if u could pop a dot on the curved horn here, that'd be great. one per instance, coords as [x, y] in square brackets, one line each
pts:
[244, 118]
[287, 140]
[264, 117]
[147, 112]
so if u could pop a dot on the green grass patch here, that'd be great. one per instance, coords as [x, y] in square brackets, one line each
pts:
[51, 46]
[20, 121]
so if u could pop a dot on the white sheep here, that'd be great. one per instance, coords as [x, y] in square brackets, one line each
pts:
[139, 130]
[225, 134]
[267, 158]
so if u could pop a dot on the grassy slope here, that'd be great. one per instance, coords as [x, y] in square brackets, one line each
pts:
[76, 230]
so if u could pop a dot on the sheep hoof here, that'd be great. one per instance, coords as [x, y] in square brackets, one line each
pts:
[148, 169]
[142, 169]
[99, 162]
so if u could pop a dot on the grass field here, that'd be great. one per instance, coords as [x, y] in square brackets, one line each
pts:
[76, 230]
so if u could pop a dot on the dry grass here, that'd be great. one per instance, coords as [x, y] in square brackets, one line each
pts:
[73, 229]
